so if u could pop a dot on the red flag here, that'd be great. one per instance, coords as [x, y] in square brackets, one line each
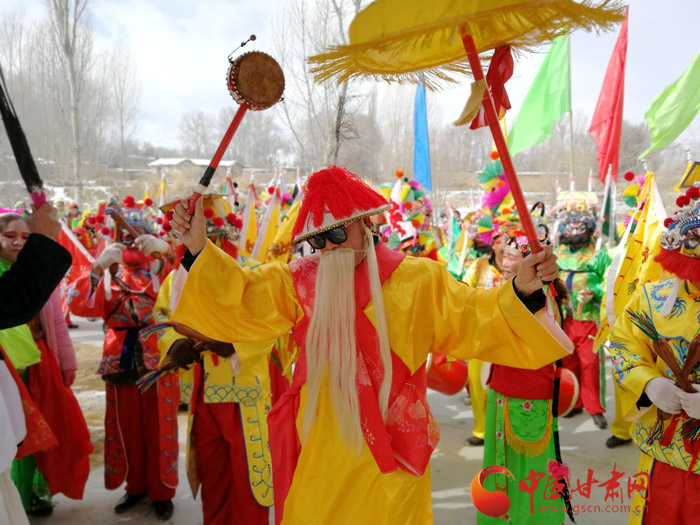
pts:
[500, 71]
[607, 118]
[81, 258]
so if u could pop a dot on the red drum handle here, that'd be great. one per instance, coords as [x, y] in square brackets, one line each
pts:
[209, 172]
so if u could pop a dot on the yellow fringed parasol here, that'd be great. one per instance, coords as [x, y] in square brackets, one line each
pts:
[428, 41]
[406, 40]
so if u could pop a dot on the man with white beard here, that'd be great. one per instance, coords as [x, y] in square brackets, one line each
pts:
[352, 438]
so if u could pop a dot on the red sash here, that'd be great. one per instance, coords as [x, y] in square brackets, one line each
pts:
[410, 434]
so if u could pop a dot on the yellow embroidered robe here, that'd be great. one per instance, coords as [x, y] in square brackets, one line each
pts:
[427, 310]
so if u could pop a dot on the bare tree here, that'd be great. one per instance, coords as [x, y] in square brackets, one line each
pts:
[126, 93]
[196, 133]
[319, 116]
[75, 42]
[258, 142]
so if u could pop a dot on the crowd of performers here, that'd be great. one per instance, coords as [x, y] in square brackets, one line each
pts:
[300, 331]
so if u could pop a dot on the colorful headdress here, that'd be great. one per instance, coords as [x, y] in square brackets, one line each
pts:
[687, 218]
[335, 196]
[135, 214]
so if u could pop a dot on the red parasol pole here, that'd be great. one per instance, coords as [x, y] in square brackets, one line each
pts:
[500, 141]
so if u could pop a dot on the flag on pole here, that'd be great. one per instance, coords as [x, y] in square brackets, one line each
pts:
[162, 193]
[250, 227]
[546, 101]
[281, 246]
[421, 148]
[269, 226]
[230, 190]
[633, 263]
[606, 124]
[674, 108]
[500, 71]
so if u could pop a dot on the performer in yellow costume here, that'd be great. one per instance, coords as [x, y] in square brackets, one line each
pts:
[352, 438]
[655, 353]
[228, 401]
[484, 272]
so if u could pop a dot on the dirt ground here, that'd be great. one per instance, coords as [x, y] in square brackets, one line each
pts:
[89, 389]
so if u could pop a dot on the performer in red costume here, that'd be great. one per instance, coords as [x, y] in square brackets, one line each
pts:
[140, 429]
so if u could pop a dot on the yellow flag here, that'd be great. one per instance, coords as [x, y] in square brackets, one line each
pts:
[250, 227]
[634, 266]
[268, 228]
[280, 249]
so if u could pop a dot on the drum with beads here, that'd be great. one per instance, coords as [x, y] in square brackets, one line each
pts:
[255, 79]
[447, 376]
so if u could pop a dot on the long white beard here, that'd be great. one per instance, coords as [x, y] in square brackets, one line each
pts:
[331, 347]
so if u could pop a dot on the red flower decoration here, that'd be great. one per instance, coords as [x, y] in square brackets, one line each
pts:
[208, 213]
[667, 222]
[105, 230]
[218, 222]
[629, 175]
[148, 202]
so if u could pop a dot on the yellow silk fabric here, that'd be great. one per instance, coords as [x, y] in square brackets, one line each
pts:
[395, 39]
[427, 310]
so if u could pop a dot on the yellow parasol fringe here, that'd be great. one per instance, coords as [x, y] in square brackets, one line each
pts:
[432, 52]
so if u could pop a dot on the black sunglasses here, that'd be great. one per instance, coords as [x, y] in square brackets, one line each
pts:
[337, 235]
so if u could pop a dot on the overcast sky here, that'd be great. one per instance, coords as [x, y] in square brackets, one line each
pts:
[179, 48]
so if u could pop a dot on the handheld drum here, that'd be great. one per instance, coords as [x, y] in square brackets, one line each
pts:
[255, 81]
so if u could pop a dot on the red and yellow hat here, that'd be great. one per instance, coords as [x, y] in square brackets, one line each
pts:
[335, 196]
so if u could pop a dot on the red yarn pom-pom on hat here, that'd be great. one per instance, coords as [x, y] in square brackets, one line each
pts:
[693, 192]
[333, 196]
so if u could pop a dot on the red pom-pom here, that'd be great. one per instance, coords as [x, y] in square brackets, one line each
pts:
[683, 200]
[169, 216]
[415, 223]
[208, 213]
[218, 222]
[91, 220]
[494, 155]
[398, 173]
[231, 218]
[629, 175]
[693, 192]
[667, 222]
[162, 234]
[238, 224]
[167, 227]
[100, 219]
[408, 205]
[129, 201]
[148, 202]
[159, 220]
[271, 190]
[105, 230]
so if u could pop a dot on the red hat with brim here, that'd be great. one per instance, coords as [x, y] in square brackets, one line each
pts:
[335, 196]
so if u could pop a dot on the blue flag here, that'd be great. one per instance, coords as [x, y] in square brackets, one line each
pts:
[421, 148]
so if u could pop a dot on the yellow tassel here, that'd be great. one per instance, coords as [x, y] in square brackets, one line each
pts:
[523, 27]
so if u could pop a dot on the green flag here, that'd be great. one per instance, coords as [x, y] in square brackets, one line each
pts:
[674, 108]
[546, 102]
